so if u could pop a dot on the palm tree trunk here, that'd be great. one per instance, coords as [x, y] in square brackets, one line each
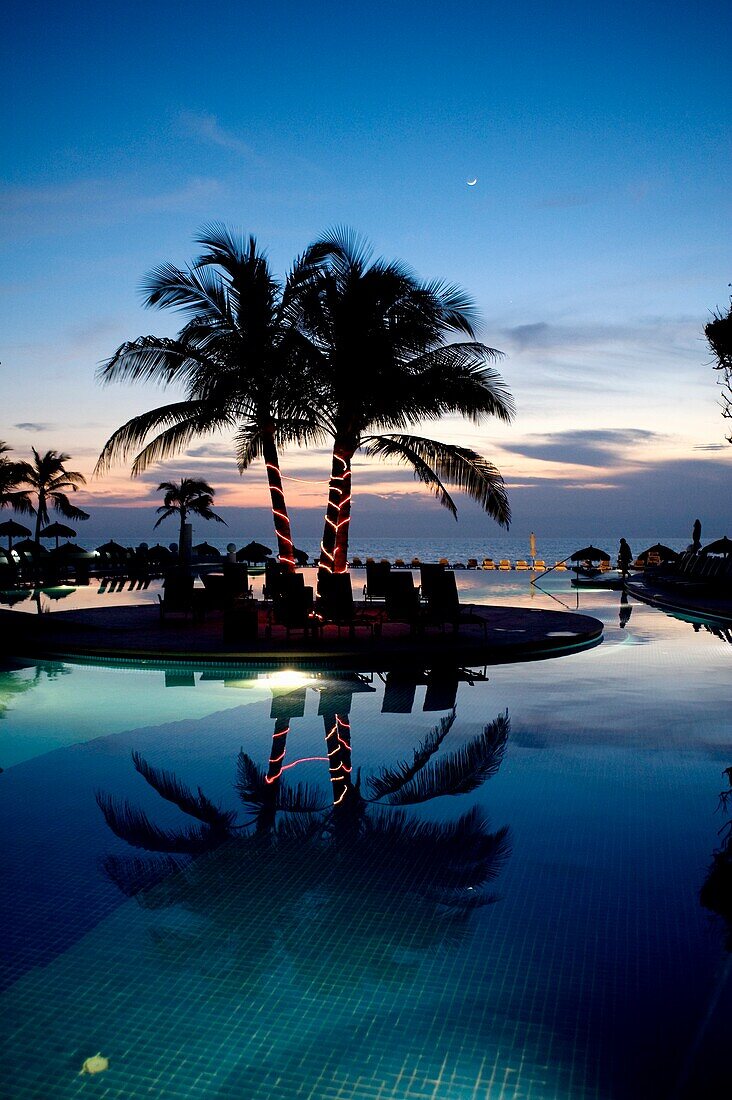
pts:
[344, 519]
[181, 556]
[41, 514]
[277, 498]
[340, 464]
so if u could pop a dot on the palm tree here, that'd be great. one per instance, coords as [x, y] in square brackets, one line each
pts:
[190, 496]
[240, 357]
[47, 478]
[380, 337]
[10, 495]
[719, 337]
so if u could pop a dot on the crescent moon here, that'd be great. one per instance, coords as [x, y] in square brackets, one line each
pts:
[472, 183]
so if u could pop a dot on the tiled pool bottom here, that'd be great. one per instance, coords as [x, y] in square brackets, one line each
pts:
[324, 961]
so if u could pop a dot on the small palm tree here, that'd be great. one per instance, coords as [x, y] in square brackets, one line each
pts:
[47, 479]
[10, 495]
[384, 364]
[190, 496]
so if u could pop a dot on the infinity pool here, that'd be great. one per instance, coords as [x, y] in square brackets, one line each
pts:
[455, 885]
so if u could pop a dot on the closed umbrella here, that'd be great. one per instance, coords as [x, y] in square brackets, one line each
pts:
[253, 552]
[696, 534]
[532, 546]
[57, 531]
[13, 530]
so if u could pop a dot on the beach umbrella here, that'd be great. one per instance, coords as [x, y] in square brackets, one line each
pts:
[13, 530]
[300, 556]
[253, 551]
[665, 553]
[159, 553]
[57, 531]
[722, 546]
[71, 550]
[206, 550]
[590, 553]
[28, 546]
[111, 547]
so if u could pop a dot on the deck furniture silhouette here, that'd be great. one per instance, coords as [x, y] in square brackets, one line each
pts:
[402, 601]
[336, 605]
[443, 605]
[377, 574]
[177, 595]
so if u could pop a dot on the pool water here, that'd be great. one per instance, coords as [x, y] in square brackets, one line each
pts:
[484, 885]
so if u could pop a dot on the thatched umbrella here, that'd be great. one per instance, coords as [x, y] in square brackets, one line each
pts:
[206, 550]
[665, 553]
[57, 531]
[722, 546]
[590, 553]
[13, 530]
[28, 546]
[253, 552]
[159, 553]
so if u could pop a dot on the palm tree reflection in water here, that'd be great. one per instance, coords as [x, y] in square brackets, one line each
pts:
[345, 884]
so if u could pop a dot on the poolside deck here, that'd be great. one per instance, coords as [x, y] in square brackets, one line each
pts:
[136, 633]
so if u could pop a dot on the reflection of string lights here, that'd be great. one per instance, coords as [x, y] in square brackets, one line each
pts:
[293, 764]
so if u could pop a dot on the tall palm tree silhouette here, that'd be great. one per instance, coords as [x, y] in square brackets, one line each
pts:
[189, 496]
[384, 364]
[240, 358]
[47, 479]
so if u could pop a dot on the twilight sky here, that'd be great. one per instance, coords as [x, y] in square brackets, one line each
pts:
[595, 242]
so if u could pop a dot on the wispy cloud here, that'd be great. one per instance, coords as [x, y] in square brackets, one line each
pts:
[44, 210]
[207, 128]
[32, 426]
[592, 447]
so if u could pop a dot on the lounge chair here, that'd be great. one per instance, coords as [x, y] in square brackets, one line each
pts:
[336, 605]
[443, 562]
[377, 576]
[427, 575]
[292, 606]
[504, 564]
[560, 566]
[442, 689]
[472, 563]
[402, 601]
[521, 564]
[443, 606]
[539, 565]
[488, 563]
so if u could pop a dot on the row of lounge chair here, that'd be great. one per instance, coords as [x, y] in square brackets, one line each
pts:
[290, 603]
[694, 574]
[537, 565]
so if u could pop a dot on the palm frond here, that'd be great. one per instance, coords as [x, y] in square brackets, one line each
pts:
[133, 825]
[251, 782]
[133, 874]
[153, 359]
[461, 771]
[305, 798]
[434, 461]
[393, 779]
[63, 505]
[172, 790]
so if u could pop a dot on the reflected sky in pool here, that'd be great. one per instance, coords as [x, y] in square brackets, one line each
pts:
[533, 932]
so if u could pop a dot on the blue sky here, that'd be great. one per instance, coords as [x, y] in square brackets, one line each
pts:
[595, 242]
